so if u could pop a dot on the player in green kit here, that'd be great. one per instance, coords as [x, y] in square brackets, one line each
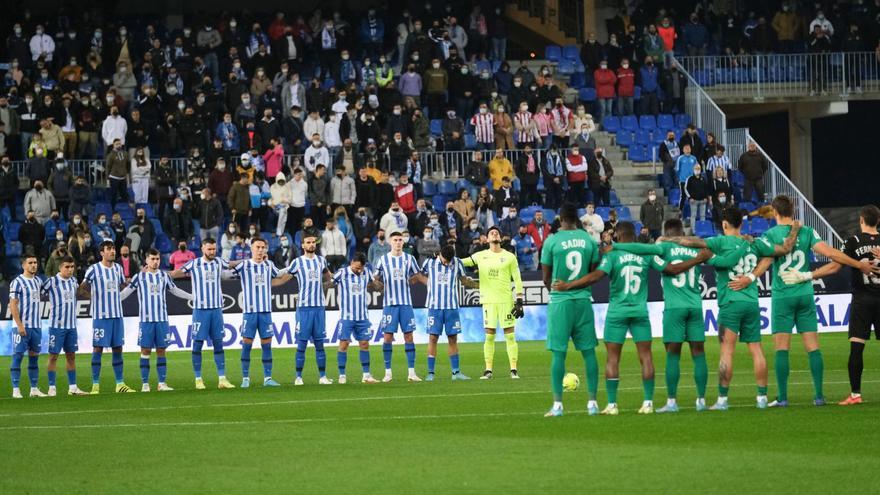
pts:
[795, 305]
[739, 315]
[566, 255]
[627, 312]
[682, 310]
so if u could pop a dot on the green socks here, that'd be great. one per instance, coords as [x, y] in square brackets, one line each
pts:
[648, 387]
[557, 372]
[782, 372]
[489, 350]
[592, 365]
[701, 374]
[673, 372]
[611, 386]
[723, 391]
[817, 369]
[762, 390]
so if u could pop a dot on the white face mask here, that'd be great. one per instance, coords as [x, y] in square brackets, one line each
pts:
[436, 65]
[722, 199]
[652, 197]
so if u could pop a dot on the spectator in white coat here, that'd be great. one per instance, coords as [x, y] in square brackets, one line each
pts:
[342, 191]
[114, 127]
[280, 201]
[42, 45]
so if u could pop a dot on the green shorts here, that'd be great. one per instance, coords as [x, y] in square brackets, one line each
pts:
[616, 328]
[570, 319]
[498, 315]
[790, 312]
[743, 319]
[683, 325]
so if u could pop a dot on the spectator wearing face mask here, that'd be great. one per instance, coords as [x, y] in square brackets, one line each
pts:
[210, 214]
[80, 198]
[60, 183]
[626, 87]
[553, 168]
[605, 82]
[505, 202]
[684, 168]
[59, 251]
[427, 245]
[31, 235]
[652, 214]
[8, 186]
[697, 192]
[576, 167]
[525, 248]
[395, 220]
[539, 230]
[343, 191]
[720, 203]
[484, 127]
[719, 184]
[378, 248]
[316, 154]
[561, 122]
[40, 201]
[140, 177]
[528, 171]
[599, 174]
[177, 222]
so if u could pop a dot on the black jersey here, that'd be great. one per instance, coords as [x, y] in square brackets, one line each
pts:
[859, 247]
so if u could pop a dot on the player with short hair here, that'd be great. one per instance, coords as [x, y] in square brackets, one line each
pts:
[865, 306]
[353, 282]
[396, 270]
[628, 310]
[497, 268]
[312, 275]
[151, 285]
[61, 290]
[739, 314]
[257, 276]
[207, 322]
[795, 305]
[103, 282]
[443, 275]
[24, 304]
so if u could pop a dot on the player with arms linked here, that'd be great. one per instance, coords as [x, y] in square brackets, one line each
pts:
[24, 305]
[61, 290]
[353, 283]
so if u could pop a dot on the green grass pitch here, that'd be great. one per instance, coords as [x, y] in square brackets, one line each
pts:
[441, 437]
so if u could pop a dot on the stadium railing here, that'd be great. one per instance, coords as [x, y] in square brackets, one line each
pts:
[750, 77]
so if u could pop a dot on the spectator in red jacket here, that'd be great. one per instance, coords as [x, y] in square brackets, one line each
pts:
[539, 230]
[274, 159]
[626, 88]
[668, 35]
[406, 195]
[605, 81]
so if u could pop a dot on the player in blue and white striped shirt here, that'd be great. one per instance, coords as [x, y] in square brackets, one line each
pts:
[397, 270]
[151, 285]
[24, 304]
[312, 274]
[257, 275]
[61, 290]
[444, 275]
[206, 273]
[105, 280]
[352, 285]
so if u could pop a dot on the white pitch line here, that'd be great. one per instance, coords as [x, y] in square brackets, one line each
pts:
[349, 399]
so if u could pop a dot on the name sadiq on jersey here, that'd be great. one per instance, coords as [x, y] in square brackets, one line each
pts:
[574, 243]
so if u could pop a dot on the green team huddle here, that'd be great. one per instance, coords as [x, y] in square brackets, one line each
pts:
[571, 262]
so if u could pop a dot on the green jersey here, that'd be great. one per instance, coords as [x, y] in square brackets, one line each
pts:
[745, 263]
[629, 283]
[798, 259]
[680, 291]
[571, 254]
[497, 271]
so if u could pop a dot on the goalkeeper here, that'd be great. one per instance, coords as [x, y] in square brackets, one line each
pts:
[497, 268]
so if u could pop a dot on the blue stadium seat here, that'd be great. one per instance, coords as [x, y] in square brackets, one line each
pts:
[328, 83]
[461, 184]
[665, 122]
[274, 241]
[429, 187]
[643, 137]
[12, 230]
[637, 153]
[566, 67]
[615, 200]
[157, 226]
[571, 52]
[647, 122]
[447, 187]
[587, 94]
[704, 228]
[737, 179]
[577, 80]
[163, 244]
[625, 138]
[481, 65]
[759, 226]
[747, 205]
[603, 212]
[13, 249]
[623, 213]
[436, 127]
[470, 141]
[549, 215]
[103, 209]
[674, 196]
[611, 123]
[682, 120]
[553, 53]
[638, 93]
[439, 201]
[629, 122]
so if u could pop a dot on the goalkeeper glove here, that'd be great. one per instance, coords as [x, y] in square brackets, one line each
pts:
[792, 277]
[518, 311]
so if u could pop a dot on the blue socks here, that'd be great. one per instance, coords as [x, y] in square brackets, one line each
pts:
[386, 352]
[453, 360]
[300, 356]
[246, 359]
[51, 375]
[15, 369]
[96, 366]
[33, 370]
[161, 368]
[365, 361]
[431, 362]
[341, 361]
[145, 369]
[219, 357]
[117, 366]
[410, 354]
[267, 360]
[197, 357]
[71, 377]
[321, 358]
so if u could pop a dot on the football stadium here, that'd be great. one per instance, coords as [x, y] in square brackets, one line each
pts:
[578, 246]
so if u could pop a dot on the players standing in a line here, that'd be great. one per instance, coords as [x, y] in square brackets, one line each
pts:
[443, 276]
[207, 323]
[105, 280]
[628, 311]
[497, 269]
[24, 304]
[151, 285]
[865, 306]
[567, 255]
[396, 270]
[795, 305]
[257, 276]
[61, 290]
[353, 283]
[739, 314]
[311, 274]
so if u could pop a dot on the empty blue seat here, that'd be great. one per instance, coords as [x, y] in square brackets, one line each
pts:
[638, 93]
[704, 228]
[587, 94]
[643, 136]
[12, 230]
[577, 80]
[682, 120]
[615, 200]
[747, 205]
[328, 83]
[647, 122]
[429, 188]
[163, 244]
[549, 215]
[470, 141]
[603, 211]
[461, 184]
[447, 187]
[665, 122]
[571, 52]
[439, 201]
[481, 65]
[637, 153]
[436, 127]
[13, 249]
[737, 179]
[674, 196]
[157, 226]
[553, 53]
[623, 213]
[759, 226]
[629, 122]
[611, 123]
[625, 138]
[566, 67]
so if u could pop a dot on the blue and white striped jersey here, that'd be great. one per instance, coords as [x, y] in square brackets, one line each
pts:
[62, 301]
[207, 293]
[256, 285]
[151, 289]
[395, 272]
[352, 293]
[105, 283]
[309, 274]
[27, 292]
[443, 284]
